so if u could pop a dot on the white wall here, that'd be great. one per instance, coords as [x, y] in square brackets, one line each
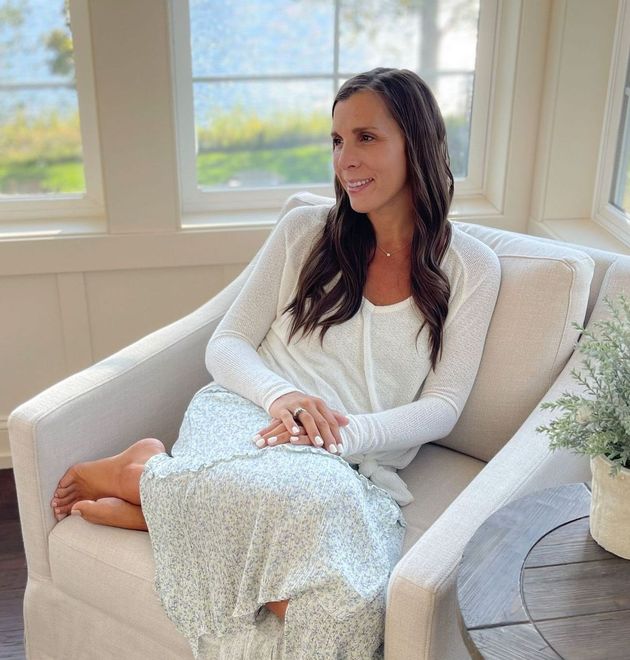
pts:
[73, 298]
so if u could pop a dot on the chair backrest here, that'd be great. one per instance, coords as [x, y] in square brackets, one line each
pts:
[545, 285]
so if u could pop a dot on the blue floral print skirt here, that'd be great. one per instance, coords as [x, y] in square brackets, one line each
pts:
[234, 527]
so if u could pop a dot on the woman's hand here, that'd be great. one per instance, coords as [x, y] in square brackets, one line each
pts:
[317, 425]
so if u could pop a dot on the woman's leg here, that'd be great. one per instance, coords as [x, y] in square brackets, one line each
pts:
[111, 511]
[113, 477]
[278, 607]
[107, 492]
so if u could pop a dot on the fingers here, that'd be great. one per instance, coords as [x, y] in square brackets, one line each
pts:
[333, 424]
[317, 422]
[289, 422]
[270, 427]
[278, 435]
[341, 418]
[318, 430]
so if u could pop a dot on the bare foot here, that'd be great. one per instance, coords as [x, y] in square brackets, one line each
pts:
[115, 476]
[111, 511]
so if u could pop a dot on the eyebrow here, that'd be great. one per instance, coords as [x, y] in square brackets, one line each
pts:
[357, 130]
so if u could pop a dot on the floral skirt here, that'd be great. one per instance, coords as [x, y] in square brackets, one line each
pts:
[234, 527]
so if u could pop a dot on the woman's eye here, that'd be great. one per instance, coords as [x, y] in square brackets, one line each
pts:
[365, 135]
[336, 141]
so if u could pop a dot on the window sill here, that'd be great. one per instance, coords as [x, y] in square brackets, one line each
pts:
[46, 228]
[265, 218]
[582, 231]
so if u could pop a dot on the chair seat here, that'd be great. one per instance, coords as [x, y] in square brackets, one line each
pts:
[112, 569]
[435, 477]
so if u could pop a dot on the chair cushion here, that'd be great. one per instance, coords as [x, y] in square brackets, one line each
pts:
[544, 288]
[111, 569]
[436, 476]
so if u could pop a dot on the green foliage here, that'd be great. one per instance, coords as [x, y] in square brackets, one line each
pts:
[237, 130]
[301, 164]
[48, 137]
[60, 45]
[599, 422]
[43, 153]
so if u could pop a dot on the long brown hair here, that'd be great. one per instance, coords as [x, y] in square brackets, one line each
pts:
[348, 242]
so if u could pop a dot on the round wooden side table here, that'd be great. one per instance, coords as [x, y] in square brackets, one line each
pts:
[533, 584]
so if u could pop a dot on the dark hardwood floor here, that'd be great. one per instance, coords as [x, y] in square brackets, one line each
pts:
[12, 572]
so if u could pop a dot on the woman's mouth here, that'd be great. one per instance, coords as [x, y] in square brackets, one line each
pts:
[359, 185]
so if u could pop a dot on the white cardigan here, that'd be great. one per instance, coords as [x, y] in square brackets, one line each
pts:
[370, 367]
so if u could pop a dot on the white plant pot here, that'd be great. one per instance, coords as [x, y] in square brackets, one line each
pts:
[610, 507]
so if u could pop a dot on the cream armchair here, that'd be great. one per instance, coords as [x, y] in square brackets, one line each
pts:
[90, 588]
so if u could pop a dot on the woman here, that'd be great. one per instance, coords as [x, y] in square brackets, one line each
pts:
[306, 518]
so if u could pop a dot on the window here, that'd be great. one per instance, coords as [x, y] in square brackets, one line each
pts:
[620, 190]
[612, 198]
[43, 160]
[255, 84]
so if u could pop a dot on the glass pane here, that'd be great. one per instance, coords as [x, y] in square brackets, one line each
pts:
[249, 37]
[436, 38]
[40, 137]
[257, 134]
[620, 193]
[454, 95]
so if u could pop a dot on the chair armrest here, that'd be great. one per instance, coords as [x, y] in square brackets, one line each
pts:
[141, 391]
[421, 618]
[421, 611]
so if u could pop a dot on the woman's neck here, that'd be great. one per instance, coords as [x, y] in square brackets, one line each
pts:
[391, 232]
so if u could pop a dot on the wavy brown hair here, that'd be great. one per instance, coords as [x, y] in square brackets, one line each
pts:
[348, 242]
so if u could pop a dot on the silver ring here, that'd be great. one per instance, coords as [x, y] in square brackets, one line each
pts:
[297, 411]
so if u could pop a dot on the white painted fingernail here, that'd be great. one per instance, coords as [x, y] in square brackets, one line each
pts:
[294, 438]
[332, 449]
[295, 429]
[260, 443]
[272, 440]
[318, 441]
[256, 438]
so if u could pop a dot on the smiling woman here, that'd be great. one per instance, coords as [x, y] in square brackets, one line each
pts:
[281, 489]
[373, 167]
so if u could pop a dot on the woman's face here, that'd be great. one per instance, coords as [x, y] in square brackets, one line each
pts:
[369, 145]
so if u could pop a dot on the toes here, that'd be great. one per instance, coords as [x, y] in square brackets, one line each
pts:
[68, 479]
[62, 491]
[83, 508]
[63, 509]
[63, 501]
[63, 495]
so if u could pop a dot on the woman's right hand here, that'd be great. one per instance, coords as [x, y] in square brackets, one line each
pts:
[320, 422]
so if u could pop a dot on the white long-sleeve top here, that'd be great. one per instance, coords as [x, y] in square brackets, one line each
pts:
[370, 367]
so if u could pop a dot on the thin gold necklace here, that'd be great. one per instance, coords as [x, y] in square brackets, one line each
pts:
[389, 254]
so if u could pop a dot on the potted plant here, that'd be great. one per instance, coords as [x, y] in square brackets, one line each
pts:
[598, 424]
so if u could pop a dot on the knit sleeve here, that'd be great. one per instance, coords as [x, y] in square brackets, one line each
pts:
[231, 354]
[445, 391]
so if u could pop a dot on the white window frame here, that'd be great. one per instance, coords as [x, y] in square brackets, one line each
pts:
[71, 205]
[196, 203]
[604, 212]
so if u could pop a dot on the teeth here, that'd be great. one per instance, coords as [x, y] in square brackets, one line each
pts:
[356, 184]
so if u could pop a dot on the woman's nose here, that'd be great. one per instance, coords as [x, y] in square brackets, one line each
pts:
[347, 156]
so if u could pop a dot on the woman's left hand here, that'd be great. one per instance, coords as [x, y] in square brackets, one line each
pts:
[277, 429]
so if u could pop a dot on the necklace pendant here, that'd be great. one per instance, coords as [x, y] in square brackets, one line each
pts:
[388, 254]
